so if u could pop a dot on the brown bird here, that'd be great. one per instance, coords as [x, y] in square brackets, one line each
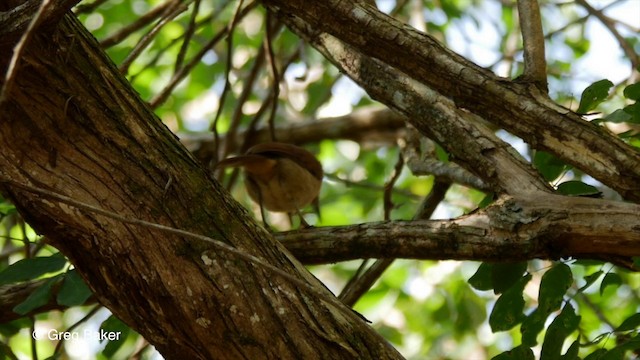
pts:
[280, 177]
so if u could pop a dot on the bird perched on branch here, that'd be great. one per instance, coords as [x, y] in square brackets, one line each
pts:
[279, 177]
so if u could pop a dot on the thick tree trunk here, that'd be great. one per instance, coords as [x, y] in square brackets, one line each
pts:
[73, 127]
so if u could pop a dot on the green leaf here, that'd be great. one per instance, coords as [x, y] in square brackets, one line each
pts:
[618, 352]
[39, 297]
[596, 355]
[578, 188]
[618, 116]
[593, 95]
[505, 275]
[611, 279]
[553, 286]
[11, 328]
[487, 200]
[74, 291]
[442, 154]
[7, 208]
[532, 326]
[32, 268]
[632, 92]
[630, 323]
[519, 353]
[113, 325]
[590, 279]
[572, 352]
[548, 165]
[507, 311]
[561, 327]
[634, 111]
[481, 280]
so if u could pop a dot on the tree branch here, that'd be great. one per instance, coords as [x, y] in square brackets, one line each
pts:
[473, 145]
[14, 294]
[535, 65]
[114, 154]
[546, 227]
[627, 48]
[518, 108]
[370, 123]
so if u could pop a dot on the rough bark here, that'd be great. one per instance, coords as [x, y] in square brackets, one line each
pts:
[73, 127]
[73, 132]
[544, 227]
[517, 107]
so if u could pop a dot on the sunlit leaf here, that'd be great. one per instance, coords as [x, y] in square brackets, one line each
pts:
[593, 95]
[630, 323]
[618, 353]
[578, 188]
[32, 268]
[548, 165]
[632, 92]
[73, 291]
[114, 326]
[611, 279]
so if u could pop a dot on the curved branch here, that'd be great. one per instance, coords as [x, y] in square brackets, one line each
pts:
[627, 48]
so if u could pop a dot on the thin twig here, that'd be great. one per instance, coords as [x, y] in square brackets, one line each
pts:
[388, 187]
[171, 12]
[227, 83]
[141, 22]
[242, 99]
[185, 70]
[12, 69]
[361, 282]
[610, 25]
[88, 316]
[188, 34]
[271, 25]
[88, 8]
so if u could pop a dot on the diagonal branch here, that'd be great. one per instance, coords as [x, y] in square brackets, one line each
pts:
[626, 46]
[474, 146]
[520, 109]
